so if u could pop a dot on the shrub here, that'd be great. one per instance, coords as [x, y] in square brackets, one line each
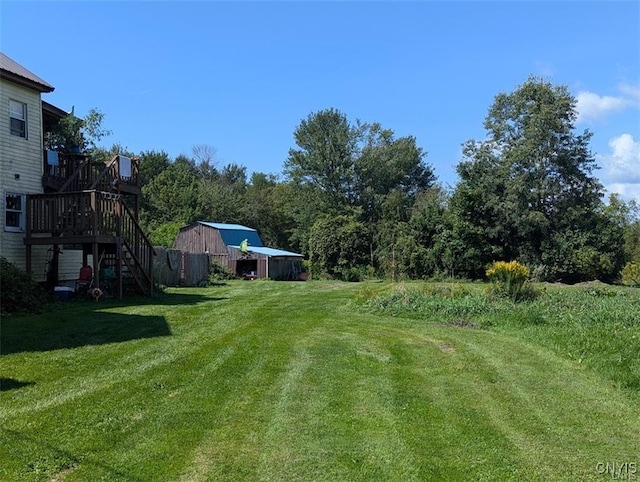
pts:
[451, 290]
[219, 272]
[631, 274]
[508, 278]
[18, 292]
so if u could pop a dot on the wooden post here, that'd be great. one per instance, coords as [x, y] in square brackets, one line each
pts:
[96, 265]
[119, 254]
[28, 265]
[94, 213]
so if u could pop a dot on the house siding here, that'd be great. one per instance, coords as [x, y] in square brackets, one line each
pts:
[23, 157]
[20, 157]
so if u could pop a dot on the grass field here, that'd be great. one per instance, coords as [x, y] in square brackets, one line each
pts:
[323, 381]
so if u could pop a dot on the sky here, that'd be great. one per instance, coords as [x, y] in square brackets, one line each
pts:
[240, 76]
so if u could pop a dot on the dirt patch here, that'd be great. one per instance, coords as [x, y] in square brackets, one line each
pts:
[60, 476]
[592, 284]
[446, 347]
[460, 323]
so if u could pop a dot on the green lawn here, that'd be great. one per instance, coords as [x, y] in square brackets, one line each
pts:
[294, 381]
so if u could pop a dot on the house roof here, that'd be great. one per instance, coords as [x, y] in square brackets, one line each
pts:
[234, 234]
[53, 110]
[12, 70]
[269, 251]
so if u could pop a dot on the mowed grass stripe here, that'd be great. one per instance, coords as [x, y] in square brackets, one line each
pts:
[285, 381]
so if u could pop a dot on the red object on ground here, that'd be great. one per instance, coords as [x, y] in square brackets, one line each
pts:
[86, 273]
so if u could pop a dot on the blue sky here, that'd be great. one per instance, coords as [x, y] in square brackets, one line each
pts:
[240, 76]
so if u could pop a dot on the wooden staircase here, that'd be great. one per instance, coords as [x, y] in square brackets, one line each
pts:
[89, 206]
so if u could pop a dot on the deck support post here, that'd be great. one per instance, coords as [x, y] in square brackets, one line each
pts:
[96, 264]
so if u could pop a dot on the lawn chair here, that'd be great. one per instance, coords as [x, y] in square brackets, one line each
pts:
[85, 280]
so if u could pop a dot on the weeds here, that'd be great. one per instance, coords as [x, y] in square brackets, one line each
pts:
[598, 326]
[508, 279]
[631, 274]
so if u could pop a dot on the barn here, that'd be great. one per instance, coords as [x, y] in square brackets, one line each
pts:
[223, 244]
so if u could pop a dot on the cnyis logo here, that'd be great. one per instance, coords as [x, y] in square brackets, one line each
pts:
[618, 470]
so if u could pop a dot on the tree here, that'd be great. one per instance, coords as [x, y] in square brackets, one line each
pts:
[386, 165]
[527, 192]
[338, 247]
[105, 155]
[165, 234]
[204, 158]
[350, 169]
[171, 196]
[267, 211]
[325, 155]
[73, 133]
[152, 163]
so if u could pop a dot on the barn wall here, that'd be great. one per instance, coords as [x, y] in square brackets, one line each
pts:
[199, 238]
[280, 266]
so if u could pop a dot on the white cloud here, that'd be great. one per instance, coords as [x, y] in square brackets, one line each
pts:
[623, 164]
[627, 192]
[631, 92]
[622, 167]
[593, 107]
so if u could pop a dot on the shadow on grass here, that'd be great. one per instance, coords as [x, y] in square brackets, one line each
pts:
[45, 333]
[178, 298]
[7, 384]
[72, 324]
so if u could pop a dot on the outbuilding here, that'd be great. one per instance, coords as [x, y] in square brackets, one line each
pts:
[240, 249]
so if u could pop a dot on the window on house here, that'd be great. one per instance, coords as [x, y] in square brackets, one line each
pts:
[14, 212]
[18, 115]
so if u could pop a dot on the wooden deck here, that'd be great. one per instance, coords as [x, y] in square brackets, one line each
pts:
[90, 207]
[77, 172]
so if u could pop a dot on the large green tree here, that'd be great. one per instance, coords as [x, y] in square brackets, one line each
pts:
[325, 158]
[528, 191]
[353, 169]
[171, 196]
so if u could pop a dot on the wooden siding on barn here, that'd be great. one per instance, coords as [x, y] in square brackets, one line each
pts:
[198, 238]
[201, 238]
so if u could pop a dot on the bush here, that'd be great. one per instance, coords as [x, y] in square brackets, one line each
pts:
[18, 292]
[219, 272]
[631, 274]
[508, 279]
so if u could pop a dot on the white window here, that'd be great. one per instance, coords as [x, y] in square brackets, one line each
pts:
[18, 115]
[14, 209]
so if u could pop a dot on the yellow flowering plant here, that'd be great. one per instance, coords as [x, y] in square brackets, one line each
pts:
[631, 274]
[508, 278]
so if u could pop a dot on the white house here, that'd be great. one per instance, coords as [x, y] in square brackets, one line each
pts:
[24, 116]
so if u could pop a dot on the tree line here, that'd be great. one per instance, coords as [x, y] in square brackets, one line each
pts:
[359, 201]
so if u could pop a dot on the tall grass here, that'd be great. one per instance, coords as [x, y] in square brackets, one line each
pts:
[597, 326]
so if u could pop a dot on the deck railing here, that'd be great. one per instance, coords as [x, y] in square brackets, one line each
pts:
[84, 213]
[139, 246]
[87, 215]
[78, 172]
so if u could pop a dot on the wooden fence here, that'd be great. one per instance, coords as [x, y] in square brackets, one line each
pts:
[172, 267]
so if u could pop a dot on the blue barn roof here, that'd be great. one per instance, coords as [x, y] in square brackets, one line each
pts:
[270, 251]
[234, 234]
